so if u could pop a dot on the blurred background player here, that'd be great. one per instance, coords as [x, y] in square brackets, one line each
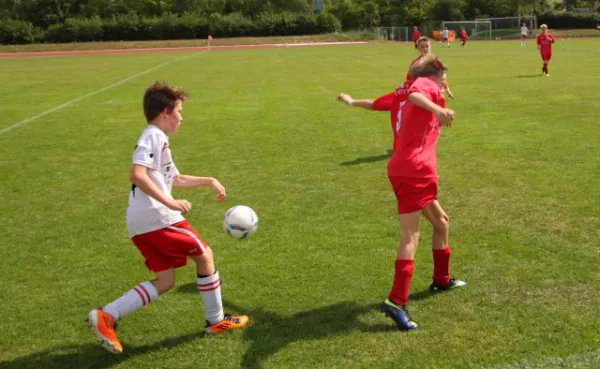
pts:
[412, 171]
[524, 32]
[544, 42]
[385, 102]
[157, 227]
[416, 35]
[463, 37]
[445, 39]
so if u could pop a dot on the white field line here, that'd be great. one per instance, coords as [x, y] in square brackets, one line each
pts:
[56, 108]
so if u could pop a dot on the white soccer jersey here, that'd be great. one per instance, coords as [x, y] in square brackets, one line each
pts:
[524, 31]
[144, 213]
[445, 33]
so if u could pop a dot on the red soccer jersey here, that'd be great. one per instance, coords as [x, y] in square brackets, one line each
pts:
[463, 34]
[545, 42]
[387, 102]
[416, 134]
[416, 35]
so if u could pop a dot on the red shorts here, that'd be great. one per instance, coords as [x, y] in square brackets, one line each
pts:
[546, 57]
[523, 37]
[414, 194]
[445, 40]
[169, 247]
[463, 39]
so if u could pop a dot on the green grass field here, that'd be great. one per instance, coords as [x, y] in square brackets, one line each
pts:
[518, 177]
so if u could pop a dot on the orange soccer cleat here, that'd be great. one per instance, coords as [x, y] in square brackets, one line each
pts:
[230, 322]
[105, 327]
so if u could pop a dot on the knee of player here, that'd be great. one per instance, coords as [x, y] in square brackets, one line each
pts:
[443, 223]
[204, 259]
[164, 283]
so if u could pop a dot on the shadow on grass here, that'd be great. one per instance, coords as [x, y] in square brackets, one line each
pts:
[90, 355]
[270, 332]
[422, 295]
[369, 159]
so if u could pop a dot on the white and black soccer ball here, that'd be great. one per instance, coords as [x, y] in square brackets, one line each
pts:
[240, 222]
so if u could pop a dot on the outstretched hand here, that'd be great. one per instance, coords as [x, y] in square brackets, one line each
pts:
[217, 186]
[345, 98]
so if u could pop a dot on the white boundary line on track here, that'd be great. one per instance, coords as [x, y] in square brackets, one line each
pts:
[27, 120]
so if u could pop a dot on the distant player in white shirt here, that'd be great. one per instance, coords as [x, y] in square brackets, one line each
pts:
[445, 40]
[523, 35]
[157, 227]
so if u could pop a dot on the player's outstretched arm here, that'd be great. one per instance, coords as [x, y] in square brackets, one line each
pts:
[348, 100]
[447, 89]
[445, 116]
[186, 181]
[139, 177]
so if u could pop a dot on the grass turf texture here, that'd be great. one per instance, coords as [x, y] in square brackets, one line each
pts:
[519, 170]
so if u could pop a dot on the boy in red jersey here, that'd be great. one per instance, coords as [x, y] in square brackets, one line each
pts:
[384, 103]
[412, 171]
[463, 37]
[544, 42]
[415, 36]
[158, 229]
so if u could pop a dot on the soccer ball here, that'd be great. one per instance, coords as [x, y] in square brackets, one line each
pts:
[240, 222]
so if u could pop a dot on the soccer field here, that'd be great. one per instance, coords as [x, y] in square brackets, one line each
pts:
[519, 176]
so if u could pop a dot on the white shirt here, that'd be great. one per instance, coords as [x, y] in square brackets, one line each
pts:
[524, 31]
[445, 33]
[144, 213]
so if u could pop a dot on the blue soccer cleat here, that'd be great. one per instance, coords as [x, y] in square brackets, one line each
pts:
[399, 315]
[454, 283]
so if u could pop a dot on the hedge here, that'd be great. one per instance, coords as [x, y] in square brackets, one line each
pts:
[568, 20]
[131, 27]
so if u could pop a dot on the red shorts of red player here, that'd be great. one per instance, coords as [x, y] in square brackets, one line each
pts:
[445, 40]
[463, 39]
[414, 194]
[546, 57]
[523, 37]
[169, 247]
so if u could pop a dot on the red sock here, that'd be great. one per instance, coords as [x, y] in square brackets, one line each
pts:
[441, 266]
[404, 271]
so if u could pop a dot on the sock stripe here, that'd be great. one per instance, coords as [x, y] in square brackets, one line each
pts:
[208, 284]
[141, 295]
[146, 293]
[209, 287]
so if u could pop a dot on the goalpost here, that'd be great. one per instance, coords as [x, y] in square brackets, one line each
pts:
[477, 29]
[510, 27]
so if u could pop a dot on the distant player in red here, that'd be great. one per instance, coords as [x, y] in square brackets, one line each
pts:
[412, 171]
[598, 27]
[416, 35]
[463, 37]
[385, 102]
[544, 42]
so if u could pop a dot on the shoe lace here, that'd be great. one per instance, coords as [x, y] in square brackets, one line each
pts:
[231, 318]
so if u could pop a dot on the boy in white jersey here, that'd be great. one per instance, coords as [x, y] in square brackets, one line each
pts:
[523, 35]
[156, 225]
[445, 37]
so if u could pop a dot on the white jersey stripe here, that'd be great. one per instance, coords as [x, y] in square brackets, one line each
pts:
[191, 234]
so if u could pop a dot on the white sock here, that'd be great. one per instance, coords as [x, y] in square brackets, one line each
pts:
[138, 297]
[210, 289]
